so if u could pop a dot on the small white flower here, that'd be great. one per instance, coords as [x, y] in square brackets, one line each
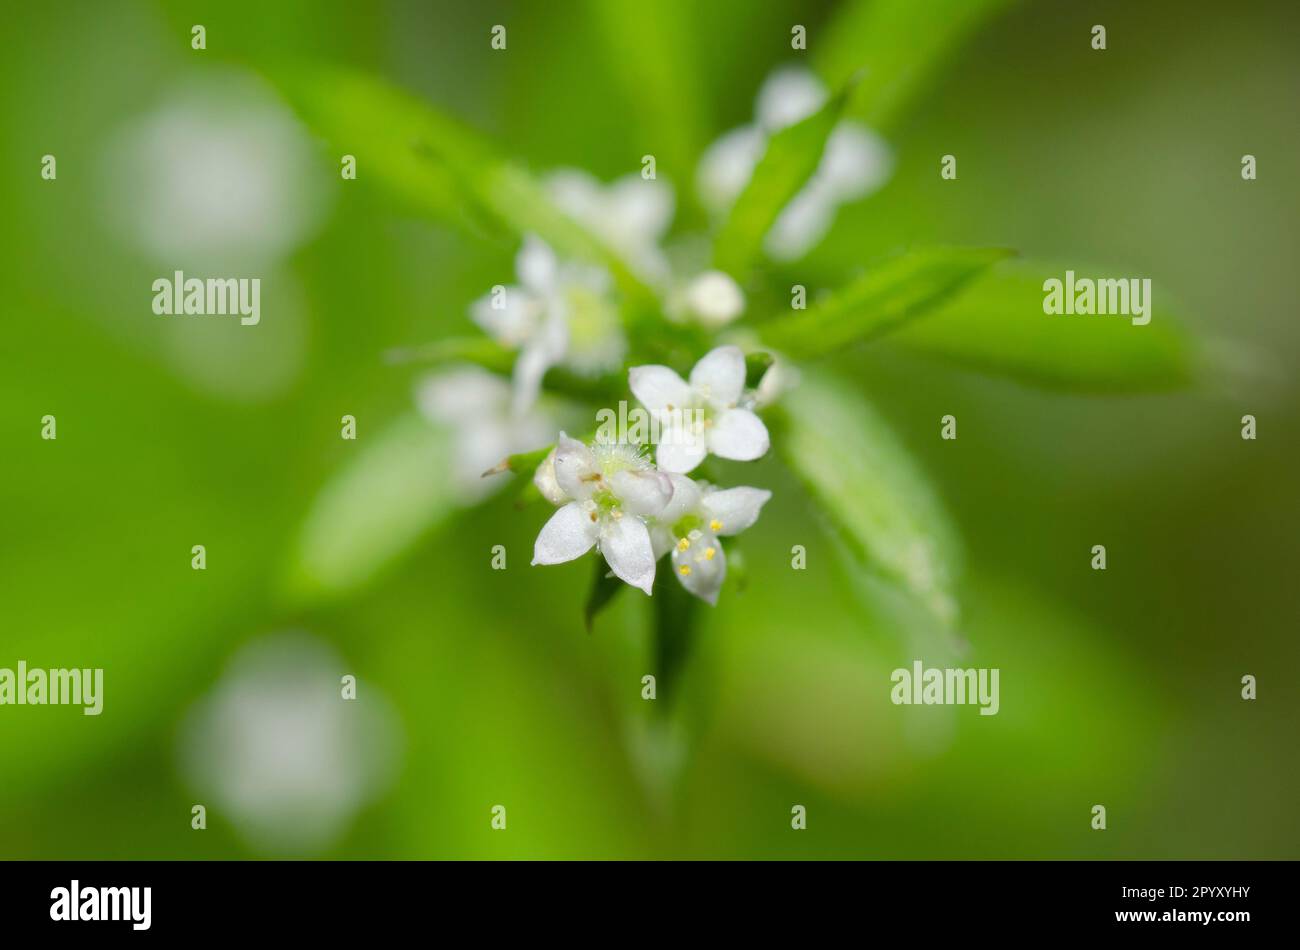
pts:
[631, 214]
[611, 490]
[689, 527]
[702, 416]
[855, 162]
[277, 751]
[713, 298]
[475, 405]
[558, 315]
[789, 94]
[218, 175]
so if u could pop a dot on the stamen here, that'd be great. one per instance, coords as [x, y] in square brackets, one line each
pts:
[715, 525]
[684, 570]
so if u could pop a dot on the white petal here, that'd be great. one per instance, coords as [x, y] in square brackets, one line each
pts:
[640, 209]
[779, 378]
[702, 567]
[733, 510]
[513, 322]
[569, 534]
[789, 95]
[681, 450]
[661, 539]
[625, 542]
[686, 499]
[575, 468]
[719, 376]
[544, 479]
[530, 368]
[726, 167]
[576, 193]
[658, 388]
[802, 223]
[738, 434]
[462, 395]
[856, 161]
[536, 266]
[642, 493]
[715, 298]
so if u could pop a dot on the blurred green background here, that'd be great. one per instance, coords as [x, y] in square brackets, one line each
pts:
[1119, 688]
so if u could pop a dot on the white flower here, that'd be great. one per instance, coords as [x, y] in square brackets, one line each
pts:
[855, 162]
[610, 490]
[631, 214]
[690, 525]
[713, 298]
[475, 405]
[278, 751]
[220, 174]
[558, 315]
[702, 416]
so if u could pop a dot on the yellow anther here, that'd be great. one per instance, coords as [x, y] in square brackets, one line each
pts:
[684, 570]
[715, 525]
[709, 552]
[683, 544]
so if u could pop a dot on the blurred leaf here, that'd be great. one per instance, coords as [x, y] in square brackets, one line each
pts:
[395, 490]
[997, 325]
[880, 300]
[436, 164]
[480, 350]
[652, 50]
[898, 45]
[604, 588]
[792, 156]
[870, 489]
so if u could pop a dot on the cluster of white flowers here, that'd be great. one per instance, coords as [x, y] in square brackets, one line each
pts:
[611, 496]
[634, 502]
[855, 162]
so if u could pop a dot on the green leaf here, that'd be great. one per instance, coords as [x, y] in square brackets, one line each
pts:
[480, 350]
[870, 489]
[397, 489]
[998, 326]
[894, 47]
[653, 51]
[436, 164]
[883, 298]
[792, 156]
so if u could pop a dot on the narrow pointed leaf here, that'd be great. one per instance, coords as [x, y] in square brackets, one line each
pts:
[436, 164]
[792, 156]
[885, 297]
[997, 325]
[870, 490]
[396, 490]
